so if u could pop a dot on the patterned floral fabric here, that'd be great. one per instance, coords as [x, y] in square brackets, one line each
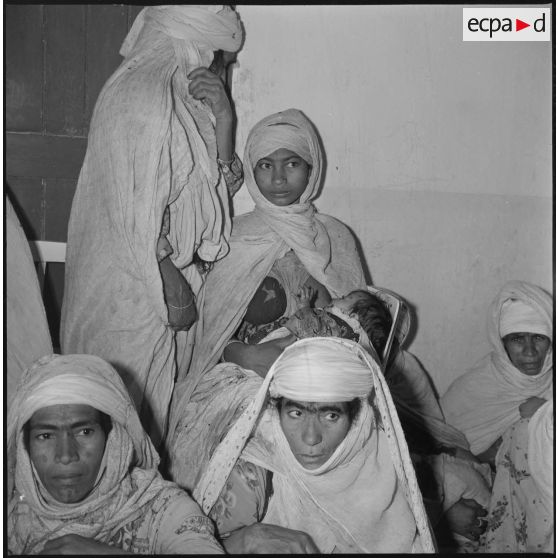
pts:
[244, 498]
[270, 312]
[233, 174]
[518, 520]
[318, 322]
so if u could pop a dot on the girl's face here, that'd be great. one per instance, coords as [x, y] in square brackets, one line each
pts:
[282, 177]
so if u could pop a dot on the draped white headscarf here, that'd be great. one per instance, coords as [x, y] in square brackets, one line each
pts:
[212, 27]
[365, 498]
[295, 224]
[485, 401]
[518, 316]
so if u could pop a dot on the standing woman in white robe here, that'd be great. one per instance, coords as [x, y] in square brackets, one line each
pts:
[151, 197]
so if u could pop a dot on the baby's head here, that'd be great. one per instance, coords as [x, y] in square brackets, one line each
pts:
[371, 313]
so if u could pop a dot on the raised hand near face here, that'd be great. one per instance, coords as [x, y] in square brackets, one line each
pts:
[208, 87]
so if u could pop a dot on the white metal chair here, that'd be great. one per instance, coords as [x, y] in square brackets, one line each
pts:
[399, 316]
[44, 252]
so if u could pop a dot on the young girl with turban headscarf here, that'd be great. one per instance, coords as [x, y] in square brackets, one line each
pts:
[281, 246]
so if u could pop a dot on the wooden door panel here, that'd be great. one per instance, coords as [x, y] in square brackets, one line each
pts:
[44, 156]
[59, 193]
[65, 70]
[26, 195]
[23, 53]
[107, 26]
[57, 58]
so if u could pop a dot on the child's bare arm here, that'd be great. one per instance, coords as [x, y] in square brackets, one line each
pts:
[322, 297]
[306, 295]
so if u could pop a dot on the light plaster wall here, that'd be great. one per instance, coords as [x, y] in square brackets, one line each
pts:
[439, 153]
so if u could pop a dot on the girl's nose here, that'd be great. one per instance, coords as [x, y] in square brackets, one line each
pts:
[278, 175]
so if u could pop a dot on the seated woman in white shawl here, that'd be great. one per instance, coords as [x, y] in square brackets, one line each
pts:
[82, 473]
[281, 246]
[320, 451]
[492, 403]
[151, 199]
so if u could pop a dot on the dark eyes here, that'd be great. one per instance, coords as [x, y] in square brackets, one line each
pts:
[267, 166]
[50, 435]
[329, 416]
[536, 338]
[86, 431]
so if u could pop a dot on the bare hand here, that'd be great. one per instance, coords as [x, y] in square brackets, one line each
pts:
[322, 297]
[530, 406]
[76, 544]
[263, 538]
[465, 518]
[306, 295]
[208, 87]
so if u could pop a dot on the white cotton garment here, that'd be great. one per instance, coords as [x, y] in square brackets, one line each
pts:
[150, 146]
[27, 334]
[540, 453]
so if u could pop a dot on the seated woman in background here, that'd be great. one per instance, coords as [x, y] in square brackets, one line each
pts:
[317, 462]
[281, 246]
[493, 402]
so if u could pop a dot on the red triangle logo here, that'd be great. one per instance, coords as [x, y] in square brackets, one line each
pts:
[519, 25]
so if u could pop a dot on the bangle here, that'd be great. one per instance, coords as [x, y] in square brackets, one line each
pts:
[180, 307]
[225, 163]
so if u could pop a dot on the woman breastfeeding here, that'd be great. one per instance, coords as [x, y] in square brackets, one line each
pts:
[280, 247]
